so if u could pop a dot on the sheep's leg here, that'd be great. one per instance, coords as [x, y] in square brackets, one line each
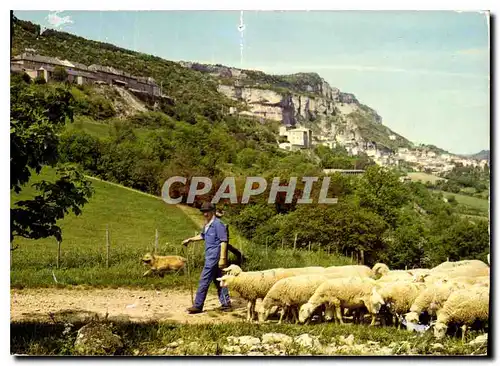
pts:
[249, 311]
[464, 330]
[339, 313]
[283, 311]
[295, 314]
[398, 321]
[374, 317]
[252, 311]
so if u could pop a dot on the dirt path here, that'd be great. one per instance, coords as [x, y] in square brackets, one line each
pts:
[123, 304]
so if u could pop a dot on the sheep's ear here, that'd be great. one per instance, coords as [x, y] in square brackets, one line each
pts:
[411, 273]
[219, 279]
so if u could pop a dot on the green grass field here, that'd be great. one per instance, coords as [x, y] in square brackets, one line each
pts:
[132, 218]
[98, 129]
[482, 206]
[423, 177]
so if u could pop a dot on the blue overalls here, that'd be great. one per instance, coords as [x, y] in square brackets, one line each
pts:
[216, 233]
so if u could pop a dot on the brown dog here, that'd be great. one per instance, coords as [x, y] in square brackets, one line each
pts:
[160, 264]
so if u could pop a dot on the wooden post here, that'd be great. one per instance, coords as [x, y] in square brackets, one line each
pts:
[156, 241]
[351, 256]
[195, 245]
[362, 256]
[58, 254]
[295, 242]
[107, 246]
[406, 268]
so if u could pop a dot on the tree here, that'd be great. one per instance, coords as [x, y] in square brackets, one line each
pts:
[38, 114]
[60, 74]
[465, 240]
[381, 191]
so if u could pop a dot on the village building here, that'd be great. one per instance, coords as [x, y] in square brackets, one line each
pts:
[298, 138]
[43, 66]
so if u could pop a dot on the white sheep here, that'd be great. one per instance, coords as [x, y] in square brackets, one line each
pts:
[458, 272]
[399, 297]
[431, 300]
[251, 286]
[463, 307]
[474, 280]
[351, 271]
[290, 292]
[445, 266]
[235, 270]
[382, 273]
[341, 293]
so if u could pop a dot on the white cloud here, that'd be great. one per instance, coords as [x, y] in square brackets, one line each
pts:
[56, 21]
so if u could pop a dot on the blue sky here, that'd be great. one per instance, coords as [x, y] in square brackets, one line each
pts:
[426, 73]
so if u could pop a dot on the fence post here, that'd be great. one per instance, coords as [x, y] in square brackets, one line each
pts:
[362, 256]
[156, 241]
[295, 242]
[195, 244]
[107, 246]
[351, 257]
[58, 254]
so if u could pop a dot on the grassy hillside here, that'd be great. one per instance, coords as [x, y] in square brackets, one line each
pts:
[192, 91]
[478, 204]
[423, 177]
[132, 218]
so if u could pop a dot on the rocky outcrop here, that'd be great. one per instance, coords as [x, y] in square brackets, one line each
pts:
[288, 108]
[97, 339]
[303, 99]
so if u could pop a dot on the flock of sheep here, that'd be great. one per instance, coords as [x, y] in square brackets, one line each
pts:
[451, 293]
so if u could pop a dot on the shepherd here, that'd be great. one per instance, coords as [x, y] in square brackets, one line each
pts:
[216, 241]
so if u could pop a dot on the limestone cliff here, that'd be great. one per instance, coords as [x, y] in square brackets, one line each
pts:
[305, 99]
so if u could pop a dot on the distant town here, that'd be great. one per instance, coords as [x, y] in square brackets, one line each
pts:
[421, 159]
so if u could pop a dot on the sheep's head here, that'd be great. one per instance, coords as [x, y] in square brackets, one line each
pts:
[411, 318]
[305, 312]
[418, 277]
[225, 280]
[233, 270]
[148, 258]
[440, 330]
[380, 269]
[329, 313]
[262, 311]
[374, 302]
